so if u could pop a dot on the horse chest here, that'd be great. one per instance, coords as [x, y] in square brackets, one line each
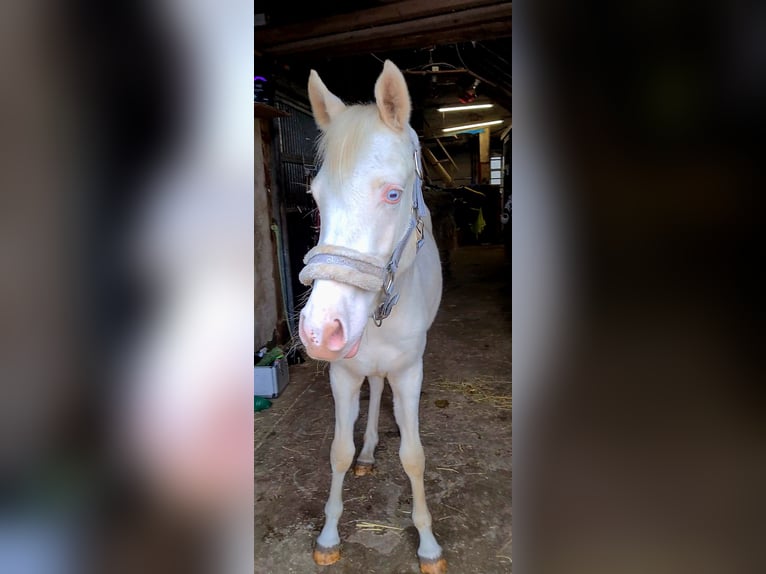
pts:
[382, 352]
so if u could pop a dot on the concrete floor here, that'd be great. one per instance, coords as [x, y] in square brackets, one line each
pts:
[465, 427]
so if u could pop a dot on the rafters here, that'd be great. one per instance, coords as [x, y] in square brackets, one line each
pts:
[396, 26]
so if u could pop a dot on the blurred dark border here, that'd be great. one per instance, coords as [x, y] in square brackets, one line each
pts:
[640, 419]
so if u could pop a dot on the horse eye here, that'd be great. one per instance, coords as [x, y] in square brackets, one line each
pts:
[393, 195]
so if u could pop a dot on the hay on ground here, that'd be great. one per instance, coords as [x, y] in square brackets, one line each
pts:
[483, 389]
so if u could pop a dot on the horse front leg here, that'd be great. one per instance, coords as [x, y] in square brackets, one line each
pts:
[406, 388]
[345, 392]
[366, 459]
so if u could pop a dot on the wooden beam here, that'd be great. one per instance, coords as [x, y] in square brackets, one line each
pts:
[267, 112]
[388, 14]
[413, 41]
[437, 72]
[444, 149]
[443, 173]
[442, 28]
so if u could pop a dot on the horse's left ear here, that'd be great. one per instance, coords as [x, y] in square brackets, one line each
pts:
[392, 97]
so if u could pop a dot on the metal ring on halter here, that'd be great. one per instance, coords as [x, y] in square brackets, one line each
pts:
[389, 299]
[418, 168]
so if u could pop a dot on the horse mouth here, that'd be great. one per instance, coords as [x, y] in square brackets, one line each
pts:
[354, 349]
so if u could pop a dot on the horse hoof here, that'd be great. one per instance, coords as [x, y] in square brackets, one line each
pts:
[433, 566]
[362, 469]
[326, 556]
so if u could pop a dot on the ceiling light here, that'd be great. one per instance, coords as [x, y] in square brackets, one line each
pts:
[471, 126]
[460, 108]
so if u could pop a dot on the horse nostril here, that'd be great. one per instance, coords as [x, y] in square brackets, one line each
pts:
[333, 336]
[306, 335]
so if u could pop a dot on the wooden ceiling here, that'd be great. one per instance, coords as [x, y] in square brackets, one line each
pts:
[388, 26]
[444, 48]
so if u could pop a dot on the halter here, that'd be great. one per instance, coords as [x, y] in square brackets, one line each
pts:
[366, 271]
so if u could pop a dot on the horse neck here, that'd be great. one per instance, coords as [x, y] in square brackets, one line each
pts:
[419, 286]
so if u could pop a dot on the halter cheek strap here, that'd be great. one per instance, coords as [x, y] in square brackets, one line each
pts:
[365, 271]
[417, 215]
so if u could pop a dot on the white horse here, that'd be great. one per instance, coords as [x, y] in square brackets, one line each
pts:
[377, 285]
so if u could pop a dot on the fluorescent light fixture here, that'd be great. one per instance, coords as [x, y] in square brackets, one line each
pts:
[461, 108]
[471, 126]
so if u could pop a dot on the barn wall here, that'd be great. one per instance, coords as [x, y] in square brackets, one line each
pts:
[464, 173]
[266, 286]
[467, 160]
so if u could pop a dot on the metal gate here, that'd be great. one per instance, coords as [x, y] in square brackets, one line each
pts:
[296, 138]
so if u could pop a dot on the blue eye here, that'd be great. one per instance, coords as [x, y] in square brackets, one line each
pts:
[393, 195]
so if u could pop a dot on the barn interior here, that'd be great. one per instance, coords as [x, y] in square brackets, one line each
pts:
[454, 54]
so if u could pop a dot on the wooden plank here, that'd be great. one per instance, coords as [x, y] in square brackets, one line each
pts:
[388, 14]
[265, 111]
[453, 25]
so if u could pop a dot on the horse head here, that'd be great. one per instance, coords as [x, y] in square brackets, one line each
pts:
[367, 194]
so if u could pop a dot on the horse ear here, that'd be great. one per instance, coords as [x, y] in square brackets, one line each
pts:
[324, 104]
[392, 97]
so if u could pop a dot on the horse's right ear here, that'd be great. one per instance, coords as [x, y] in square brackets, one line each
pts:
[324, 104]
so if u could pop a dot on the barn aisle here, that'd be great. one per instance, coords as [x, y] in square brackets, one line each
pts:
[466, 432]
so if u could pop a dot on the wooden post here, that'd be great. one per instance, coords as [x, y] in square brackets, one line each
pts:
[484, 156]
[268, 300]
[268, 295]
